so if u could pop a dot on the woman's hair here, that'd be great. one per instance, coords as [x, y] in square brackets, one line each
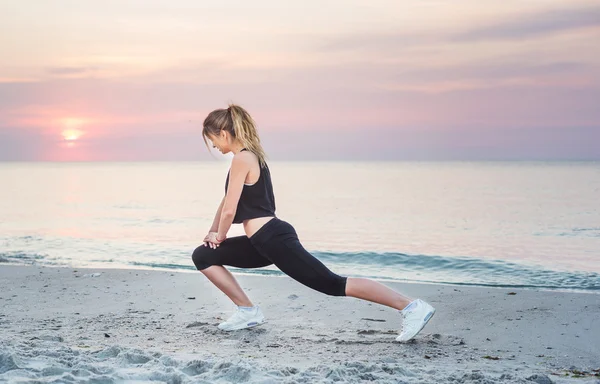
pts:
[240, 125]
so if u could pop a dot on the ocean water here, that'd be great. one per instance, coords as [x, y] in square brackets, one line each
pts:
[506, 224]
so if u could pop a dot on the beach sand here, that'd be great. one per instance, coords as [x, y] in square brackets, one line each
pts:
[73, 325]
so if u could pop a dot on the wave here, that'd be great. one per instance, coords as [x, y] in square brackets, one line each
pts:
[466, 271]
[438, 269]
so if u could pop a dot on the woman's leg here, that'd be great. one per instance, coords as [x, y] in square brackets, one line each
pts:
[279, 243]
[235, 251]
[224, 280]
[288, 254]
[308, 270]
[376, 292]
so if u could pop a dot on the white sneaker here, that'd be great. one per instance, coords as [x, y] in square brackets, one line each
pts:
[416, 315]
[243, 319]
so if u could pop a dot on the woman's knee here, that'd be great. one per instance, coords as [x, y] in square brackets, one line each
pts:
[332, 285]
[335, 286]
[202, 257]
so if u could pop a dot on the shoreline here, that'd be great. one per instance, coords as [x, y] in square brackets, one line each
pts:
[277, 273]
[478, 333]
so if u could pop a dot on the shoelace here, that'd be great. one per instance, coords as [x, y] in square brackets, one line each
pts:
[237, 315]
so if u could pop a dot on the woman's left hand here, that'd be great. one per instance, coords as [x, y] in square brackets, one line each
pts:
[213, 240]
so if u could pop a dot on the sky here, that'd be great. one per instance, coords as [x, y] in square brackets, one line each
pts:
[132, 80]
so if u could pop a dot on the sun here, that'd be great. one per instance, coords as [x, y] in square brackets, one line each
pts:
[72, 128]
[71, 134]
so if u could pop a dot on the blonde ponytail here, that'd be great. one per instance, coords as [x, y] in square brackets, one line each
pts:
[240, 125]
[246, 132]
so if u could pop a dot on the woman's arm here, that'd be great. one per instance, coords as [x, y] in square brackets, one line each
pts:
[215, 225]
[240, 166]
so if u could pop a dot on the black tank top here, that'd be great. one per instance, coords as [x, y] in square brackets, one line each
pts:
[257, 200]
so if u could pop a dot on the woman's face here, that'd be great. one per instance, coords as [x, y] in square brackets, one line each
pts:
[220, 142]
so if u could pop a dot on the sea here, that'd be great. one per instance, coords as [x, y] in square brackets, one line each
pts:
[485, 223]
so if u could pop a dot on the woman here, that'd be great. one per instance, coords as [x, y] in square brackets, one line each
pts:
[249, 200]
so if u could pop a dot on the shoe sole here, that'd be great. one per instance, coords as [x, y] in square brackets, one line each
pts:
[244, 326]
[425, 321]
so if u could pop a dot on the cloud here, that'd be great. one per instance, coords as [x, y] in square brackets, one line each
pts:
[494, 75]
[336, 110]
[335, 97]
[515, 27]
[378, 41]
[535, 24]
[70, 70]
[495, 70]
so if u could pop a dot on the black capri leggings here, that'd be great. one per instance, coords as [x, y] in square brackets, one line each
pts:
[276, 242]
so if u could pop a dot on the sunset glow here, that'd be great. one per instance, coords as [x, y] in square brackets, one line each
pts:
[383, 80]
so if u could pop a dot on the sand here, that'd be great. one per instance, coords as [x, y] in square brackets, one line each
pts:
[65, 325]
